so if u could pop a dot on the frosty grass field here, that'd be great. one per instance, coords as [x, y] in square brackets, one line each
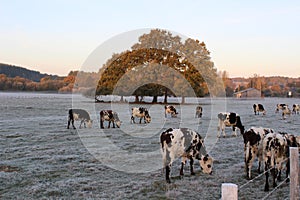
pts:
[41, 159]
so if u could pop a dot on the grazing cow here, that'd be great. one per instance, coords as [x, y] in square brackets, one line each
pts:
[280, 107]
[275, 155]
[187, 144]
[285, 111]
[259, 108]
[296, 108]
[199, 110]
[110, 116]
[253, 141]
[142, 113]
[80, 115]
[229, 119]
[170, 110]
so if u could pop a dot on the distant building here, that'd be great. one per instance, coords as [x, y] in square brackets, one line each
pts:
[247, 94]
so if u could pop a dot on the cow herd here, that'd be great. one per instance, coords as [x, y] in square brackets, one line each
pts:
[269, 147]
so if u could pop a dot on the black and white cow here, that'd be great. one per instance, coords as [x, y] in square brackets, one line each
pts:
[286, 111]
[280, 107]
[142, 113]
[296, 108]
[227, 119]
[111, 117]
[259, 108]
[169, 109]
[80, 115]
[187, 144]
[275, 155]
[199, 110]
[253, 141]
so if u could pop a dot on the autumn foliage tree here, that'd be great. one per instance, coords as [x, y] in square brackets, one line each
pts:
[159, 49]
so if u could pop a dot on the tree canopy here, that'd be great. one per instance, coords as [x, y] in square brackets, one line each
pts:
[158, 64]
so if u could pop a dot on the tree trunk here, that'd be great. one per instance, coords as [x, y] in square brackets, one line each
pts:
[182, 99]
[166, 96]
[136, 99]
[154, 100]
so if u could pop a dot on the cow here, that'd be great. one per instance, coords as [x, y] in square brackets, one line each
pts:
[111, 117]
[169, 109]
[229, 119]
[253, 141]
[199, 110]
[275, 155]
[259, 108]
[285, 111]
[80, 115]
[142, 113]
[187, 144]
[296, 109]
[280, 107]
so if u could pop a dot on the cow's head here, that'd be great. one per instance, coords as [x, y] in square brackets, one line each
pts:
[148, 118]
[174, 114]
[118, 123]
[206, 163]
[89, 123]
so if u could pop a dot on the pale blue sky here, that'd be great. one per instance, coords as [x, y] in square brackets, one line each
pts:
[244, 37]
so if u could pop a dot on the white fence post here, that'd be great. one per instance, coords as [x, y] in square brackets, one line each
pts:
[229, 191]
[294, 173]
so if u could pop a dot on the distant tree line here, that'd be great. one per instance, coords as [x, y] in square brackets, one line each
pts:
[12, 71]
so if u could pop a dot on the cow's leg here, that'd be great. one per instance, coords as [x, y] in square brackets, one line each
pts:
[192, 166]
[168, 170]
[113, 124]
[72, 121]
[219, 129]
[140, 120]
[274, 174]
[287, 170]
[132, 119]
[234, 130]
[101, 123]
[259, 165]
[80, 123]
[109, 124]
[183, 161]
[267, 175]
[69, 121]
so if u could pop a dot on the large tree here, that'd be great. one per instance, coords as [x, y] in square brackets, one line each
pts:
[158, 59]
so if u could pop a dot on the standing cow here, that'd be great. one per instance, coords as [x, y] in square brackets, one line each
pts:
[227, 119]
[111, 117]
[296, 108]
[187, 144]
[142, 113]
[253, 141]
[280, 107]
[199, 110]
[80, 115]
[259, 108]
[275, 155]
[285, 111]
[169, 109]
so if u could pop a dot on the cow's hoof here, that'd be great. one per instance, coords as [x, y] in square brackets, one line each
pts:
[266, 189]
[193, 173]
[168, 181]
